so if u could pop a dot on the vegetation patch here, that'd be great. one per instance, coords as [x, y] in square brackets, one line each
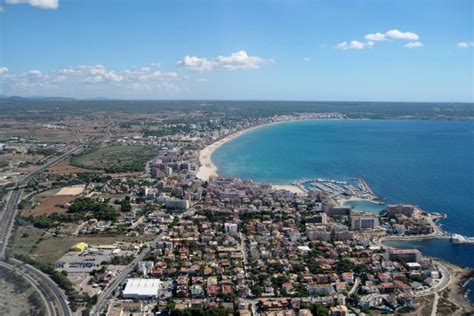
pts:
[115, 159]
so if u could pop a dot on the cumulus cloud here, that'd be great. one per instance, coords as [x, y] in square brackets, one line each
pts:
[354, 45]
[237, 61]
[85, 78]
[397, 35]
[375, 37]
[42, 4]
[380, 37]
[414, 44]
[465, 44]
[392, 35]
[99, 74]
[196, 63]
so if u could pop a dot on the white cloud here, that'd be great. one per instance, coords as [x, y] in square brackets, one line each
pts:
[375, 37]
[354, 45]
[380, 37]
[3, 70]
[196, 63]
[307, 59]
[396, 35]
[238, 60]
[43, 4]
[99, 74]
[92, 80]
[414, 44]
[465, 44]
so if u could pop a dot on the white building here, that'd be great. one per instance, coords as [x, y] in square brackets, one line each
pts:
[363, 221]
[142, 289]
[230, 228]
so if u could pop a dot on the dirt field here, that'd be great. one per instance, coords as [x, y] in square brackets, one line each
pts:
[72, 190]
[66, 168]
[48, 203]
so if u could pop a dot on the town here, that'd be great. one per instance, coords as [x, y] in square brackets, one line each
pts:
[125, 225]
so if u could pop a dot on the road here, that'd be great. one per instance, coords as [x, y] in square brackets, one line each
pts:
[49, 307]
[7, 218]
[11, 207]
[440, 285]
[107, 292]
[354, 287]
[435, 305]
[6, 224]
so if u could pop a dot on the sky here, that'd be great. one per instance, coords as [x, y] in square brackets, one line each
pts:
[335, 50]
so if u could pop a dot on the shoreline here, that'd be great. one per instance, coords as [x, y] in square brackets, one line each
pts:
[208, 169]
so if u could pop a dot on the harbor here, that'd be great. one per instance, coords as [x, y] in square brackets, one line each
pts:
[340, 190]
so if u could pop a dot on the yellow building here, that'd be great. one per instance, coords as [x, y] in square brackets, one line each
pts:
[80, 246]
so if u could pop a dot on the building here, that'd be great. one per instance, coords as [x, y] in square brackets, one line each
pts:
[320, 289]
[407, 210]
[320, 218]
[407, 255]
[177, 204]
[142, 289]
[79, 247]
[317, 233]
[363, 221]
[230, 228]
[339, 211]
[146, 267]
[339, 310]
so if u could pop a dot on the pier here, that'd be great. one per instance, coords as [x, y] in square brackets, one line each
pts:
[460, 239]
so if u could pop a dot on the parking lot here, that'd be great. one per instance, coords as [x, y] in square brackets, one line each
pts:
[83, 262]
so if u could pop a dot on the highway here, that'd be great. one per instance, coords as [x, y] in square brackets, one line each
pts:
[49, 307]
[7, 219]
[46, 282]
[8, 215]
[106, 294]
[6, 223]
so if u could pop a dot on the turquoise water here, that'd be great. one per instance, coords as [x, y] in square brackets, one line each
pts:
[366, 206]
[427, 163]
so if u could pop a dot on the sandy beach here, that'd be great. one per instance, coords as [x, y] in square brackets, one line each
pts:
[208, 169]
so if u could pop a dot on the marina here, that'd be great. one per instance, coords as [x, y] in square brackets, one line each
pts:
[340, 190]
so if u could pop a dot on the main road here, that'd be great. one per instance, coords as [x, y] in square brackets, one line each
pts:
[44, 283]
[11, 207]
[106, 294]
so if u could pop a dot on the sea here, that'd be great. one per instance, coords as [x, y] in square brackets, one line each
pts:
[429, 163]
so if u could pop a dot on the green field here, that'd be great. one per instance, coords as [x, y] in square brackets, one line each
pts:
[115, 159]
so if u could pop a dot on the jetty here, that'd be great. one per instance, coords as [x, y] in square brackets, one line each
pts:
[460, 239]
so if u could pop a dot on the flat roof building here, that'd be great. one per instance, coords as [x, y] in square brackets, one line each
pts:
[407, 255]
[142, 289]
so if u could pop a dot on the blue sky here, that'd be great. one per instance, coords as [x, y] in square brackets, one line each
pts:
[279, 50]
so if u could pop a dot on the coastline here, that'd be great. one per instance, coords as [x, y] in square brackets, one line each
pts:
[208, 169]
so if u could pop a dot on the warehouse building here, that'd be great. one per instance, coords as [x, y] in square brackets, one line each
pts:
[79, 247]
[142, 289]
